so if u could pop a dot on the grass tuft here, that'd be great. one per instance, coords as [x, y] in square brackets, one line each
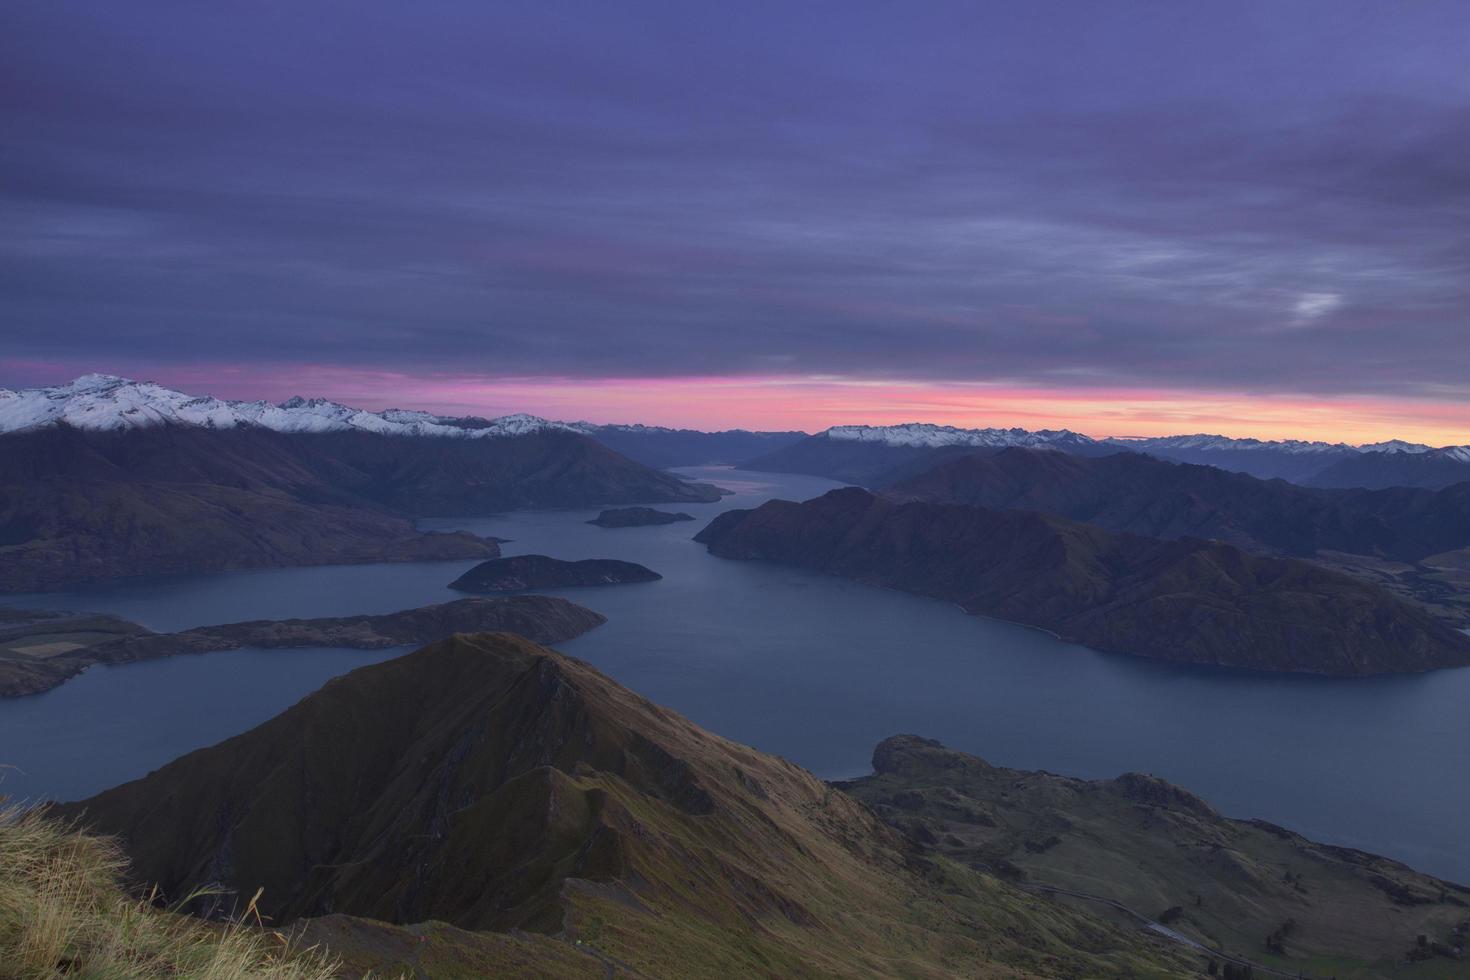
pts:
[64, 912]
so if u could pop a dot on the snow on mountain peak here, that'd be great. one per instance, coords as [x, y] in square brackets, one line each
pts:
[1395, 446]
[102, 402]
[927, 435]
[1208, 442]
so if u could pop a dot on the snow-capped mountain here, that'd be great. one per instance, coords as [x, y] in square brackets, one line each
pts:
[1395, 446]
[101, 402]
[1203, 442]
[1208, 443]
[1334, 464]
[924, 435]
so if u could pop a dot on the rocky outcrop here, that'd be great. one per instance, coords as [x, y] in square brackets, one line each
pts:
[1162, 852]
[521, 573]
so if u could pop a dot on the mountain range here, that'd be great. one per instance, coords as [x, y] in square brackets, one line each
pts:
[101, 402]
[105, 479]
[872, 455]
[1185, 601]
[878, 456]
[1415, 541]
[1143, 495]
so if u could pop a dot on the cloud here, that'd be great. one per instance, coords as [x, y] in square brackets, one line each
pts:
[1312, 306]
[1062, 195]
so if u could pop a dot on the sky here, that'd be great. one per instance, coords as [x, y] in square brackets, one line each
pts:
[1123, 218]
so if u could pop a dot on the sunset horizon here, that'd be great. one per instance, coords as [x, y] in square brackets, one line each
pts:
[811, 404]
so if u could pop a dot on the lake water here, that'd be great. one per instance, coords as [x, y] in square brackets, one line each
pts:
[812, 668]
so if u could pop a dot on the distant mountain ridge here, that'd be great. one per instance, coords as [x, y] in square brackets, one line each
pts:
[102, 402]
[1184, 601]
[662, 447]
[107, 479]
[1371, 466]
[873, 455]
[1140, 494]
[880, 455]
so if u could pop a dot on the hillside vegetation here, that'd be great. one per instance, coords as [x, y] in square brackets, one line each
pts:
[63, 912]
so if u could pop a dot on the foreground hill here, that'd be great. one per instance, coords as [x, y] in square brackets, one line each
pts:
[1240, 885]
[105, 479]
[1187, 601]
[492, 785]
[41, 650]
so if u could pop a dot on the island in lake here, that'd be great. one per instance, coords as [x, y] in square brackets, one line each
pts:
[523, 572]
[637, 517]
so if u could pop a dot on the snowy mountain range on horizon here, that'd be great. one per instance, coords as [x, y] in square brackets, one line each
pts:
[107, 402]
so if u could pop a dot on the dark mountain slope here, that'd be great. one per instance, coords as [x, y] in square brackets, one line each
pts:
[439, 477]
[888, 454]
[862, 463]
[81, 506]
[59, 533]
[492, 784]
[661, 448]
[1137, 493]
[1263, 460]
[1188, 601]
[1434, 470]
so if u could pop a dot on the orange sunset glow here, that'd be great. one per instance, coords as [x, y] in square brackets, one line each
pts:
[814, 403]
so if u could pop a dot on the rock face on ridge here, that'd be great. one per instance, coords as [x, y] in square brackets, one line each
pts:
[1164, 852]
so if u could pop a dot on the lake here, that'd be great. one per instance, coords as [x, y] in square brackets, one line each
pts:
[809, 667]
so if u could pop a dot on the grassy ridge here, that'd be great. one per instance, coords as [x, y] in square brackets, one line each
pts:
[63, 912]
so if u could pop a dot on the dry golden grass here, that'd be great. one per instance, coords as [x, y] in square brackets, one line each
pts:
[63, 912]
